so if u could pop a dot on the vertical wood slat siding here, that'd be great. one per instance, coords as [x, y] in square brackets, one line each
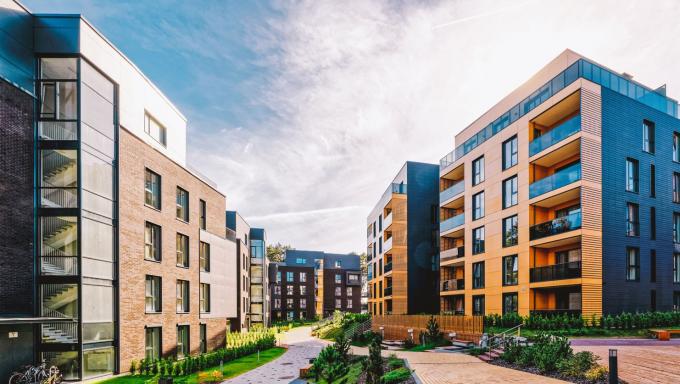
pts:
[591, 202]
[396, 326]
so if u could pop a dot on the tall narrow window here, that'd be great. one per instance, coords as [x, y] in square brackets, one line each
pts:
[153, 294]
[478, 170]
[510, 230]
[182, 291]
[204, 298]
[182, 250]
[303, 277]
[510, 192]
[182, 204]
[203, 210]
[633, 220]
[478, 240]
[676, 228]
[152, 242]
[652, 180]
[652, 265]
[652, 223]
[203, 338]
[478, 206]
[182, 341]
[204, 256]
[676, 267]
[510, 303]
[676, 187]
[152, 189]
[478, 305]
[152, 351]
[478, 275]
[633, 264]
[510, 153]
[676, 147]
[648, 136]
[632, 173]
[510, 270]
[154, 129]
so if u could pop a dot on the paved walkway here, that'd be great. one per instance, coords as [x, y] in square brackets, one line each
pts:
[301, 347]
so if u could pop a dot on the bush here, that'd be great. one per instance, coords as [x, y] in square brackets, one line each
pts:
[597, 373]
[549, 350]
[342, 346]
[133, 367]
[433, 333]
[373, 365]
[511, 350]
[396, 376]
[393, 362]
[329, 364]
[577, 365]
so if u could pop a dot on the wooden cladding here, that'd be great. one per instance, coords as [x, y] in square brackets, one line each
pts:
[395, 327]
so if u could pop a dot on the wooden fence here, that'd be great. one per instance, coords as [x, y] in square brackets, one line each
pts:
[395, 327]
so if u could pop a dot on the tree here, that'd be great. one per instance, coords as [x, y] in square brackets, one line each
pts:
[277, 252]
[433, 333]
[374, 364]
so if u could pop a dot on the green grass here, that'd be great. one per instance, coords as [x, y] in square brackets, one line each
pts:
[428, 346]
[582, 332]
[229, 370]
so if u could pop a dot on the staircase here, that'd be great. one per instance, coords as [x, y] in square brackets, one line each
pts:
[496, 343]
[62, 333]
[357, 329]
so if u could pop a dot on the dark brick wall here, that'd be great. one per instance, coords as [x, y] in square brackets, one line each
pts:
[16, 201]
[621, 138]
[329, 286]
[279, 314]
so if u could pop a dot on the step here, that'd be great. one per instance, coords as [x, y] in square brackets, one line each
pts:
[463, 343]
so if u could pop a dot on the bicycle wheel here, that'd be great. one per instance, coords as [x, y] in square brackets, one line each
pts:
[17, 378]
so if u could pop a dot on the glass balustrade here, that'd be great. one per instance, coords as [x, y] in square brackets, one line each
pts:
[557, 180]
[555, 135]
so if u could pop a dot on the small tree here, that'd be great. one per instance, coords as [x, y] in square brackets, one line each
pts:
[329, 364]
[433, 332]
[374, 364]
[343, 345]
[277, 252]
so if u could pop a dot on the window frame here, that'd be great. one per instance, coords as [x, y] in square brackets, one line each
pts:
[676, 147]
[676, 187]
[204, 298]
[203, 214]
[153, 234]
[514, 191]
[150, 331]
[478, 171]
[648, 136]
[478, 245]
[203, 256]
[632, 223]
[676, 268]
[514, 274]
[181, 197]
[163, 131]
[514, 153]
[633, 267]
[515, 302]
[150, 192]
[179, 238]
[182, 294]
[632, 175]
[478, 209]
[184, 343]
[478, 275]
[505, 239]
[475, 298]
[156, 295]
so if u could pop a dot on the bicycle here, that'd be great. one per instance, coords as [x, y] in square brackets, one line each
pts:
[40, 374]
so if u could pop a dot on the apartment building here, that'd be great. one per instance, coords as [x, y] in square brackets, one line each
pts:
[311, 284]
[564, 198]
[119, 251]
[402, 250]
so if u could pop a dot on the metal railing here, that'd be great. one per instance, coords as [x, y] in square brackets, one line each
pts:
[58, 130]
[452, 222]
[561, 271]
[555, 135]
[557, 180]
[387, 267]
[499, 339]
[452, 191]
[556, 226]
[387, 291]
[453, 285]
[59, 197]
[453, 253]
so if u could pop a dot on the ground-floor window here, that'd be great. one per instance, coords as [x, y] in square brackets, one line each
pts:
[676, 300]
[291, 316]
[203, 337]
[182, 341]
[510, 302]
[97, 362]
[153, 343]
[478, 305]
[67, 362]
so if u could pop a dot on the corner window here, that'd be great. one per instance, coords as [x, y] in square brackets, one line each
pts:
[182, 341]
[633, 264]
[478, 170]
[632, 175]
[633, 220]
[182, 204]
[510, 153]
[478, 240]
[510, 303]
[182, 290]
[182, 250]
[510, 231]
[510, 192]
[154, 129]
[204, 257]
[152, 242]
[152, 189]
[478, 206]
[648, 136]
[510, 270]
[204, 298]
[478, 275]
[153, 294]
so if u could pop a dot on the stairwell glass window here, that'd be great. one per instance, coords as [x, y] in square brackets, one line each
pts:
[58, 99]
[152, 349]
[182, 341]
[676, 267]
[154, 129]
[510, 230]
[648, 136]
[478, 240]
[182, 250]
[153, 294]
[59, 178]
[152, 189]
[478, 206]
[152, 242]
[182, 293]
[633, 264]
[204, 298]
[676, 187]
[510, 270]
[478, 170]
[633, 220]
[510, 192]
[478, 275]
[510, 153]
[182, 204]
[676, 147]
[204, 256]
[632, 175]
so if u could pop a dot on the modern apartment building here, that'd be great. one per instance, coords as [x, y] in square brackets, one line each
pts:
[311, 284]
[259, 279]
[402, 240]
[564, 197]
[113, 249]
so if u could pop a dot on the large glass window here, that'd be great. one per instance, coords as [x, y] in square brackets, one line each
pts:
[676, 267]
[633, 220]
[633, 264]
[59, 178]
[632, 175]
[510, 192]
[152, 350]
[152, 189]
[152, 242]
[182, 250]
[153, 294]
[478, 170]
[478, 275]
[648, 136]
[478, 305]
[58, 95]
[98, 361]
[676, 147]
[182, 290]
[59, 245]
[510, 153]
[204, 256]
[510, 231]
[478, 240]
[183, 346]
[510, 270]
[478, 206]
[154, 129]
[182, 204]
[204, 298]
[510, 303]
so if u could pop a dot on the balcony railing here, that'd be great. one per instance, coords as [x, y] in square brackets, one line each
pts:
[557, 180]
[453, 285]
[388, 291]
[387, 221]
[452, 253]
[387, 244]
[562, 271]
[452, 222]
[555, 135]
[556, 312]
[452, 191]
[554, 227]
[387, 267]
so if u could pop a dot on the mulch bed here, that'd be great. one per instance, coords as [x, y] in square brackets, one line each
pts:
[554, 375]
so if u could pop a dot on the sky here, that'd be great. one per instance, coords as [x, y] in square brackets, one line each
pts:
[303, 111]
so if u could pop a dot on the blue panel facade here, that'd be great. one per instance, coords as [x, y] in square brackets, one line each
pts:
[622, 121]
[423, 237]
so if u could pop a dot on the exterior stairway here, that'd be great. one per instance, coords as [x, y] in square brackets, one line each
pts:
[55, 298]
[59, 333]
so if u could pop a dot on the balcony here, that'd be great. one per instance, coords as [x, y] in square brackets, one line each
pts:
[387, 267]
[562, 271]
[452, 285]
[554, 227]
[555, 135]
[387, 244]
[451, 223]
[387, 221]
[557, 180]
[453, 253]
[387, 291]
[451, 191]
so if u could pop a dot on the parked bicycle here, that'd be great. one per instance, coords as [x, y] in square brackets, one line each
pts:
[33, 375]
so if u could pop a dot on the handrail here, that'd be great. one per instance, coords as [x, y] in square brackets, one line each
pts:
[501, 337]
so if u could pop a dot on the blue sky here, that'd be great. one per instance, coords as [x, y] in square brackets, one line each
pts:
[304, 111]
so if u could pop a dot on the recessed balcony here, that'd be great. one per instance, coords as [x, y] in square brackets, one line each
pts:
[387, 221]
[553, 272]
[452, 285]
[387, 267]
[555, 135]
[557, 226]
[387, 291]
[387, 245]
[555, 181]
[450, 254]
[452, 223]
[452, 191]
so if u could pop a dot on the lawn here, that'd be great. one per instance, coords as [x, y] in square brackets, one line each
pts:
[229, 370]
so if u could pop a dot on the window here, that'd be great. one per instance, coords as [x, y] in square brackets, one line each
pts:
[676, 228]
[277, 303]
[204, 256]
[510, 153]
[278, 277]
[633, 220]
[203, 337]
[152, 242]
[478, 305]
[152, 189]
[510, 231]
[676, 300]
[648, 136]
[632, 173]
[204, 298]
[380, 245]
[303, 303]
[290, 277]
[510, 270]
[353, 278]
[652, 223]
[289, 303]
[152, 349]
[348, 292]
[676, 147]
[652, 265]
[510, 192]
[277, 290]
[153, 294]
[290, 315]
[203, 211]
[380, 222]
[652, 181]
[290, 290]
[182, 341]
[478, 206]
[478, 240]
[303, 277]
[633, 264]
[380, 269]
[338, 291]
[676, 267]
[303, 290]
[510, 302]
[676, 187]
[300, 260]
[182, 290]
[182, 250]
[338, 278]
[182, 204]
[477, 171]
[338, 303]
[349, 303]
[154, 129]
[338, 263]
[478, 275]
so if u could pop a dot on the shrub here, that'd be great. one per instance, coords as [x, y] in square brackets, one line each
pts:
[373, 365]
[329, 364]
[133, 367]
[342, 346]
[396, 376]
[549, 350]
[393, 362]
[433, 333]
[577, 365]
[596, 373]
[511, 350]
